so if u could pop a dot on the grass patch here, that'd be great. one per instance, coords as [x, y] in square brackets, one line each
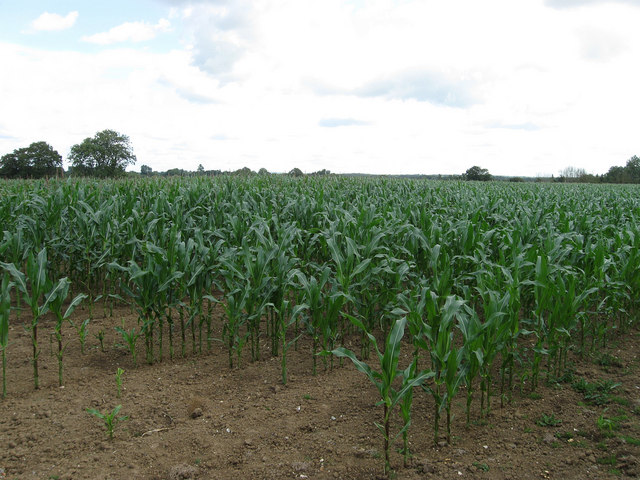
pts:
[608, 460]
[630, 440]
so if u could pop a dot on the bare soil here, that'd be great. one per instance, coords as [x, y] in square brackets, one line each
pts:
[194, 418]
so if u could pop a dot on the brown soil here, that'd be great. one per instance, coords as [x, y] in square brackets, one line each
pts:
[194, 417]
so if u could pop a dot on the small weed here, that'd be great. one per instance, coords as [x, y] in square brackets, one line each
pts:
[528, 429]
[608, 360]
[630, 440]
[595, 393]
[197, 461]
[548, 421]
[481, 466]
[535, 396]
[602, 446]
[100, 337]
[609, 460]
[625, 402]
[607, 424]
[564, 435]
[306, 396]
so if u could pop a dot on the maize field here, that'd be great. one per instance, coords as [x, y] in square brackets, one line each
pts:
[319, 327]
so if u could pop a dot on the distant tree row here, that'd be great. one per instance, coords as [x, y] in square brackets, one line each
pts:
[630, 173]
[38, 160]
[107, 154]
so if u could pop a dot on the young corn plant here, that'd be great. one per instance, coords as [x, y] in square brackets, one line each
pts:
[109, 418]
[385, 377]
[5, 310]
[446, 360]
[32, 287]
[131, 339]
[56, 298]
[82, 329]
[292, 313]
[119, 373]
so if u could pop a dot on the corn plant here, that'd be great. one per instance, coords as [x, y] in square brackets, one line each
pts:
[385, 377]
[56, 298]
[289, 315]
[5, 310]
[130, 337]
[82, 329]
[312, 294]
[495, 333]
[109, 418]
[32, 287]
[119, 373]
[446, 360]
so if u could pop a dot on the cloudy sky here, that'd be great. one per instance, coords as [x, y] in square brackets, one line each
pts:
[523, 87]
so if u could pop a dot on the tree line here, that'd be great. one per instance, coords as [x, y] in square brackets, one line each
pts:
[108, 153]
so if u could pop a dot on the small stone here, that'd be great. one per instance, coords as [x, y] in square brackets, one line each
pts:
[300, 466]
[426, 467]
[197, 412]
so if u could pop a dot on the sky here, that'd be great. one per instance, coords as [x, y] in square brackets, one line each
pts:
[525, 87]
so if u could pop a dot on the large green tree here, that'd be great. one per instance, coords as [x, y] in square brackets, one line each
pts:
[107, 154]
[630, 173]
[477, 173]
[38, 160]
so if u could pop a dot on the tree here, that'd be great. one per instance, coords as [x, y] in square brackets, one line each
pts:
[200, 170]
[146, 170]
[477, 173]
[107, 154]
[633, 169]
[38, 160]
[296, 172]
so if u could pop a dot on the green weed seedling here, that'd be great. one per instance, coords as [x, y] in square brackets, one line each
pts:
[110, 419]
[598, 393]
[119, 373]
[548, 421]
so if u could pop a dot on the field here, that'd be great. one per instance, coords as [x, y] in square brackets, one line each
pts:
[319, 328]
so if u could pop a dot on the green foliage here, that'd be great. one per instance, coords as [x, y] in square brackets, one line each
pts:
[384, 378]
[5, 310]
[477, 173]
[119, 373]
[110, 419]
[107, 154]
[630, 173]
[56, 298]
[548, 420]
[38, 160]
[596, 393]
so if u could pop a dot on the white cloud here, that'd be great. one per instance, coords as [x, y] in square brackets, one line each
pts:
[54, 22]
[411, 86]
[129, 32]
